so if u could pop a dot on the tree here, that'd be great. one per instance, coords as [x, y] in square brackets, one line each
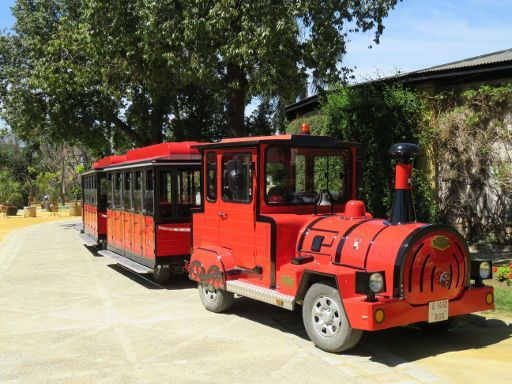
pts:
[113, 74]
[95, 73]
[267, 47]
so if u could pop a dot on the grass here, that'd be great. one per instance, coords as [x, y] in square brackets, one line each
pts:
[503, 298]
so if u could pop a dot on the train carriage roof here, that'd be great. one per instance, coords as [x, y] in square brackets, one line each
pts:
[152, 154]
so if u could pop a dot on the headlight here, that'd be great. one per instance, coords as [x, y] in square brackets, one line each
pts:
[370, 283]
[485, 270]
[376, 282]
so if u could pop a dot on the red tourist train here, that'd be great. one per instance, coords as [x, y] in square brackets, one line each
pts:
[280, 222]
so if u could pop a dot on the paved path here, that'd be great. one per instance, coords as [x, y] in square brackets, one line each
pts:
[68, 316]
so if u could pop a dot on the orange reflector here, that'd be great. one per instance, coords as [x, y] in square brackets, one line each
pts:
[379, 316]
[305, 129]
[489, 298]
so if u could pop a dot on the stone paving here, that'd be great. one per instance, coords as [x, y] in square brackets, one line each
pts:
[69, 316]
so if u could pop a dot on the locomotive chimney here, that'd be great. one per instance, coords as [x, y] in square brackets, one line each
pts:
[402, 210]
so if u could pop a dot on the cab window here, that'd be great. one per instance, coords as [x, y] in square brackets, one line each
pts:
[237, 178]
[117, 190]
[301, 175]
[211, 177]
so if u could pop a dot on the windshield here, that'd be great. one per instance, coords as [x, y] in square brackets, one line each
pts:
[303, 175]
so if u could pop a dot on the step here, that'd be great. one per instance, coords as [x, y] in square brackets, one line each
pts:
[88, 241]
[125, 262]
[267, 295]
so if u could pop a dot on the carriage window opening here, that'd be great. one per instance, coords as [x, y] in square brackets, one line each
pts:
[137, 192]
[127, 191]
[189, 195]
[93, 190]
[149, 193]
[109, 191]
[211, 177]
[87, 192]
[165, 203]
[237, 178]
[117, 190]
[103, 188]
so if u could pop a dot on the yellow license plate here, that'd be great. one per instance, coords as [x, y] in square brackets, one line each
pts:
[437, 311]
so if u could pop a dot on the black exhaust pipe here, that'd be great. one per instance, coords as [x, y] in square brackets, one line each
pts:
[402, 210]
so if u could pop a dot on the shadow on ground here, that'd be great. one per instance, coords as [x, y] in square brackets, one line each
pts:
[393, 346]
[176, 283]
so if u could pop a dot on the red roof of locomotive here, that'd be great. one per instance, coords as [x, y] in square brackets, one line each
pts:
[294, 140]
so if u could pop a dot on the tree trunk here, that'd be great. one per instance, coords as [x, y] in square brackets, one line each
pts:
[236, 92]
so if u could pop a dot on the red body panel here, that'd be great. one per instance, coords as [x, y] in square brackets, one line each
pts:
[94, 221]
[173, 239]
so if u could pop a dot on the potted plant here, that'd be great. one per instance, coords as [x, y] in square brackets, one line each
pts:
[10, 195]
[76, 209]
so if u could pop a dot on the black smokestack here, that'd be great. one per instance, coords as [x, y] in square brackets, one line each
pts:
[402, 210]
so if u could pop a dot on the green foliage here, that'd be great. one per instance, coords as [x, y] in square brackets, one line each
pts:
[504, 274]
[316, 122]
[378, 115]
[10, 190]
[117, 74]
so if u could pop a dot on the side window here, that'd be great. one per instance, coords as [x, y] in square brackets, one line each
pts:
[94, 190]
[189, 195]
[102, 195]
[127, 191]
[137, 192]
[211, 177]
[117, 190]
[149, 198]
[237, 178]
[165, 203]
[110, 203]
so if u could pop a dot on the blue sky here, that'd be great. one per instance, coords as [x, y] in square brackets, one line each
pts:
[418, 34]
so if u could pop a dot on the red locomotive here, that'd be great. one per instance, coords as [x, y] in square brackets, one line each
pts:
[142, 212]
[280, 223]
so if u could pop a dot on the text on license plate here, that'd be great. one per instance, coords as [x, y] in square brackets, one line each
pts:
[437, 311]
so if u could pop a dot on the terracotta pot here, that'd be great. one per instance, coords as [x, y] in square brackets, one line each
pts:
[30, 211]
[75, 210]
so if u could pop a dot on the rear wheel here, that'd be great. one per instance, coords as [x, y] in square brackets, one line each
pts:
[161, 275]
[215, 300]
[325, 320]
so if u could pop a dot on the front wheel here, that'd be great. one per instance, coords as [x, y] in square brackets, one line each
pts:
[325, 320]
[215, 300]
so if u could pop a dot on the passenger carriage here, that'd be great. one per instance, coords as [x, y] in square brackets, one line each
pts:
[149, 198]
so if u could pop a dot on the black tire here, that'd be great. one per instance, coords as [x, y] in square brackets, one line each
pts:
[215, 300]
[330, 331]
[161, 275]
[441, 326]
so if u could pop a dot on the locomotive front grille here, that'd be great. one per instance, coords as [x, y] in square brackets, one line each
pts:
[435, 269]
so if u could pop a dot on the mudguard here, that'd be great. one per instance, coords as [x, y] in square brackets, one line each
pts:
[209, 265]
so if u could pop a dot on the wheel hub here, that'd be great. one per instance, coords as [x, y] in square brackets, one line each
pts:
[326, 317]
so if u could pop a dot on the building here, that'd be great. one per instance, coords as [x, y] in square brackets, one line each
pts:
[492, 68]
